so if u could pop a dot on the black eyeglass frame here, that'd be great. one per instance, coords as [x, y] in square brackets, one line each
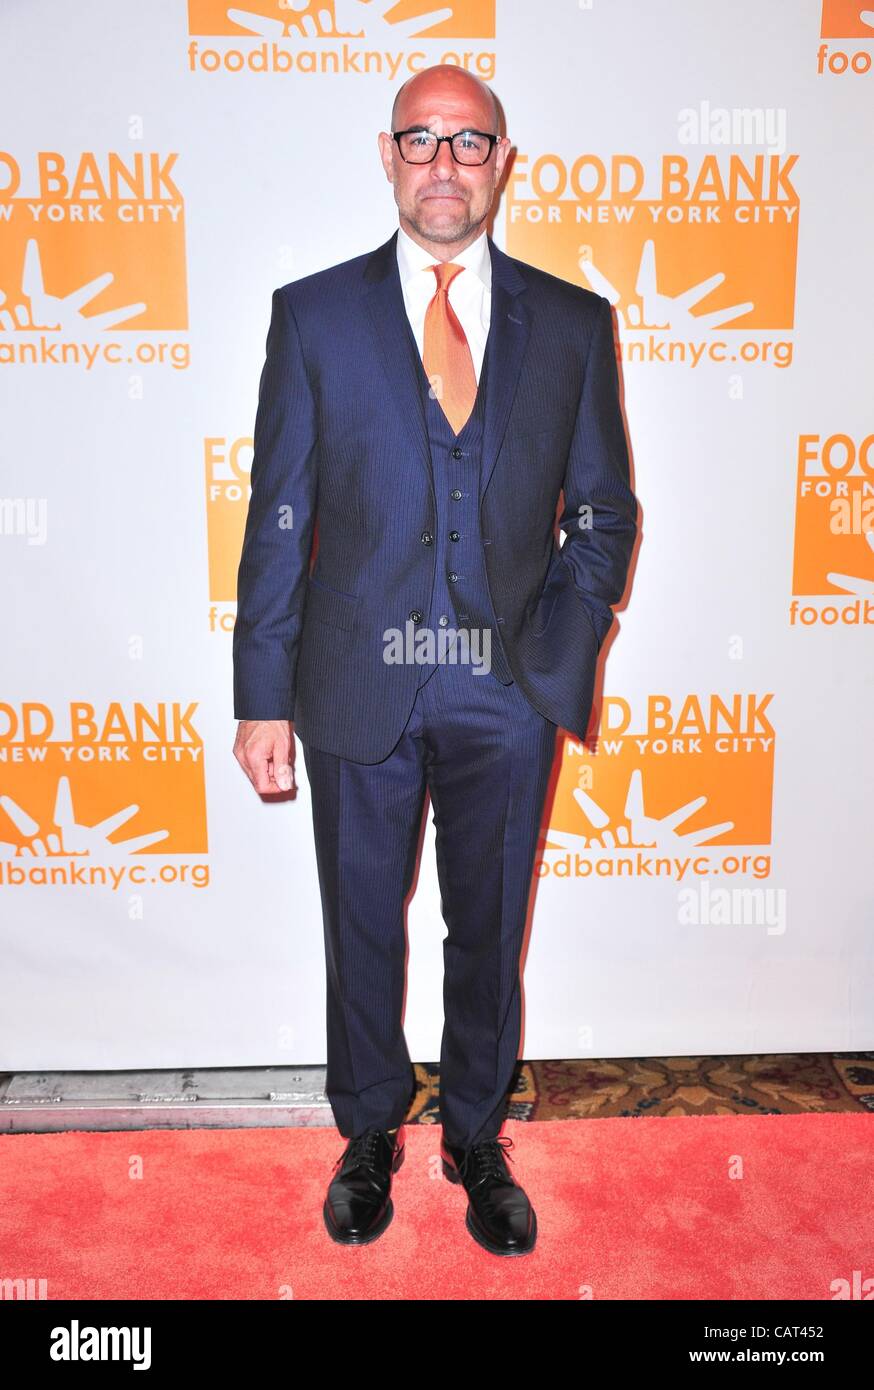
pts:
[419, 130]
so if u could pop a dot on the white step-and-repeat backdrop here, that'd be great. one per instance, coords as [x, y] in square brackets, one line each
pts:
[705, 879]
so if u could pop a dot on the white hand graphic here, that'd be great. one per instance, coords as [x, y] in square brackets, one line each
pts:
[336, 19]
[267, 28]
[349, 11]
[643, 831]
[661, 310]
[863, 588]
[48, 311]
[74, 838]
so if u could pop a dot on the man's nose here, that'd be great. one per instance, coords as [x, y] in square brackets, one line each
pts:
[443, 163]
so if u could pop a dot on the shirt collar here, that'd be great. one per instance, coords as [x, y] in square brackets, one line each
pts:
[413, 258]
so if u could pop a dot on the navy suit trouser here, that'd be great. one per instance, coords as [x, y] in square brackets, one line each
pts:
[484, 754]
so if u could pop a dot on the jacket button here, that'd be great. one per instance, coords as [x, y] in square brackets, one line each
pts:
[415, 615]
[452, 576]
[455, 494]
[456, 453]
[427, 538]
[455, 535]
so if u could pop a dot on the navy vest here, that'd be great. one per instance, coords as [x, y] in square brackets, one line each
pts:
[460, 598]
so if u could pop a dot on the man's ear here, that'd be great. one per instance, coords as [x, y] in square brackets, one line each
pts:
[385, 155]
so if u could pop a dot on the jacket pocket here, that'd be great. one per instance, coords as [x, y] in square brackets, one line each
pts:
[543, 608]
[331, 606]
[559, 581]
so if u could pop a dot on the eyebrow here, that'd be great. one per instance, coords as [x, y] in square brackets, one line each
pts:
[463, 130]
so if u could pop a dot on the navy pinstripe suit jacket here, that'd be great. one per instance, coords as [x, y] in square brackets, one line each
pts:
[341, 439]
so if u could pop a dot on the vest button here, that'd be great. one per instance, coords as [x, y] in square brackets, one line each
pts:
[456, 453]
[443, 620]
[415, 615]
[455, 494]
[452, 576]
[427, 538]
[455, 535]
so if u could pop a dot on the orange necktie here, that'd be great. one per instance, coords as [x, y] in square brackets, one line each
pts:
[446, 351]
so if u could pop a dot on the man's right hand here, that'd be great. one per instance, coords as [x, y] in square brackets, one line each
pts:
[264, 748]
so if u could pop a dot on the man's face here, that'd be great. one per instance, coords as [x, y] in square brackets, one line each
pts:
[444, 201]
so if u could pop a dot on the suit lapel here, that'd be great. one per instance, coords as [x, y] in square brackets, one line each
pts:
[509, 329]
[395, 348]
[394, 345]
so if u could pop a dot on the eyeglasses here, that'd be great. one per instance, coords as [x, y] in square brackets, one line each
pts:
[418, 146]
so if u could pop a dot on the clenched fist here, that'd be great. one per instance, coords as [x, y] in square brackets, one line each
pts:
[264, 748]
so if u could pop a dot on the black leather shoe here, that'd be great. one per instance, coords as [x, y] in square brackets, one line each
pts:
[499, 1215]
[358, 1206]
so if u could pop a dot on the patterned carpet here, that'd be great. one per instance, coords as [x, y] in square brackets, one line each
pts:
[766, 1084]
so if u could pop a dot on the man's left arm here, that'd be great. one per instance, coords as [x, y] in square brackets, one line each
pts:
[599, 517]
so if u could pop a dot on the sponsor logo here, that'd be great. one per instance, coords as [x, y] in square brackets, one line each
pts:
[228, 467]
[696, 251]
[845, 19]
[111, 795]
[666, 791]
[92, 260]
[391, 38]
[834, 531]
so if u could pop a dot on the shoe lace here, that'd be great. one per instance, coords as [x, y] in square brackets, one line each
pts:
[361, 1150]
[487, 1159]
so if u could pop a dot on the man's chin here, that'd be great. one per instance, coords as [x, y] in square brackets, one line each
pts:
[445, 219]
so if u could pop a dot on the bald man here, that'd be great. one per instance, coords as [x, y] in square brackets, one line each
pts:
[429, 403]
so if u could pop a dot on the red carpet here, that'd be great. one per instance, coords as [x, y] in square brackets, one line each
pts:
[627, 1208]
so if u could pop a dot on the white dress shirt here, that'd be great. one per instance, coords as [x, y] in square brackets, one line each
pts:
[470, 292]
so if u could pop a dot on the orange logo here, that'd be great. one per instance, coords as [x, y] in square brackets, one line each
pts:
[846, 19]
[691, 777]
[228, 488]
[699, 243]
[90, 244]
[834, 520]
[395, 20]
[111, 784]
